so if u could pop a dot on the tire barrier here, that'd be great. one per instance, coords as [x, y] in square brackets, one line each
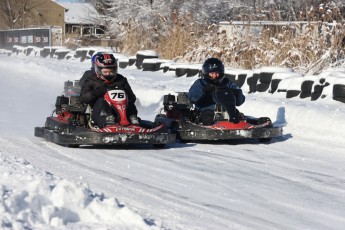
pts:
[328, 80]
[180, 69]
[306, 88]
[277, 77]
[265, 77]
[80, 54]
[339, 90]
[145, 54]
[148, 65]
[193, 70]
[252, 81]
[61, 53]
[283, 82]
[131, 60]
[236, 75]
[317, 91]
[123, 63]
[294, 87]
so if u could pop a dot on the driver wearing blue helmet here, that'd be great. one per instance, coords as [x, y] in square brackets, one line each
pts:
[104, 76]
[212, 88]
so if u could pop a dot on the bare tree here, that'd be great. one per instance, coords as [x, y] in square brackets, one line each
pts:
[18, 13]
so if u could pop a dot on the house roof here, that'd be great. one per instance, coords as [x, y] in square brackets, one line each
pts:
[79, 13]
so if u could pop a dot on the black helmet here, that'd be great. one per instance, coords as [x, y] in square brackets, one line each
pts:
[107, 61]
[212, 65]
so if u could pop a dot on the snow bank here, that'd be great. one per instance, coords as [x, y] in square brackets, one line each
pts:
[30, 198]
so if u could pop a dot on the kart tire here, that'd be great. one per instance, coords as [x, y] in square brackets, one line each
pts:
[241, 78]
[306, 86]
[262, 87]
[265, 78]
[341, 99]
[292, 93]
[274, 85]
[339, 90]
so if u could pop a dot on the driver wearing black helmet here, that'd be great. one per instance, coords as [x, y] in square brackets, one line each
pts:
[211, 88]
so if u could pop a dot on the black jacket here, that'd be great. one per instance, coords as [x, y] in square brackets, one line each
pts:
[86, 76]
[92, 82]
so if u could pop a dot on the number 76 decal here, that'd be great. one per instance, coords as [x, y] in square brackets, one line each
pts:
[118, 95]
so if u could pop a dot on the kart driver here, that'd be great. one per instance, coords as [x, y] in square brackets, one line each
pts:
[211, 88]
[103, 78]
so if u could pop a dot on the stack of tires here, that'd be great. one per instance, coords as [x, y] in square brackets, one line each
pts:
[144, 54]
[265, 77]
[339, 89]
[278, 77]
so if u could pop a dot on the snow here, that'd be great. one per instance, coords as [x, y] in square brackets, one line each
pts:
[79, 13]
[271, 69]
[148, 53]
[282, 75]
[294, 182]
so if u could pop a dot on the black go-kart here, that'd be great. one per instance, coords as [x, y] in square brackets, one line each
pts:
[70, 125]
[181, 117]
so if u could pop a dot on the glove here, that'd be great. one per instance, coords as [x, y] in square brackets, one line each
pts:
[236, 92]
[100, 91]
[209, 88]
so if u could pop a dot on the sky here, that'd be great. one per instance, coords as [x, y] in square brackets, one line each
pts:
[294, 182]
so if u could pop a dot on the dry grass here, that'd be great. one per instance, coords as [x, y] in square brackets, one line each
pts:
[307, 48]
[307, 51]
[170, 37]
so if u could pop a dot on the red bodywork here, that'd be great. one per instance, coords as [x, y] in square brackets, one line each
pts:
[118, 99]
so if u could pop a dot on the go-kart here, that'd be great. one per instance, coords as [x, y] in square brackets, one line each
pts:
[182, 118]
[71, 125]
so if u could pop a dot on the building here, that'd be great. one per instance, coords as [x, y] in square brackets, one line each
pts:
[78, 21]
[73, 18]
[36, 13]
[81, 18]
[245, 28]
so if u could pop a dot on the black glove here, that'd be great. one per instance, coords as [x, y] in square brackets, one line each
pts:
[100, 91]
[209, 88]
[236, 92]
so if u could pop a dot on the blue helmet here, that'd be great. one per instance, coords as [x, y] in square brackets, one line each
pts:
[93, 59]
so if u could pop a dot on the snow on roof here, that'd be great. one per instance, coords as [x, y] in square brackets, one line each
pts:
[79, 13]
